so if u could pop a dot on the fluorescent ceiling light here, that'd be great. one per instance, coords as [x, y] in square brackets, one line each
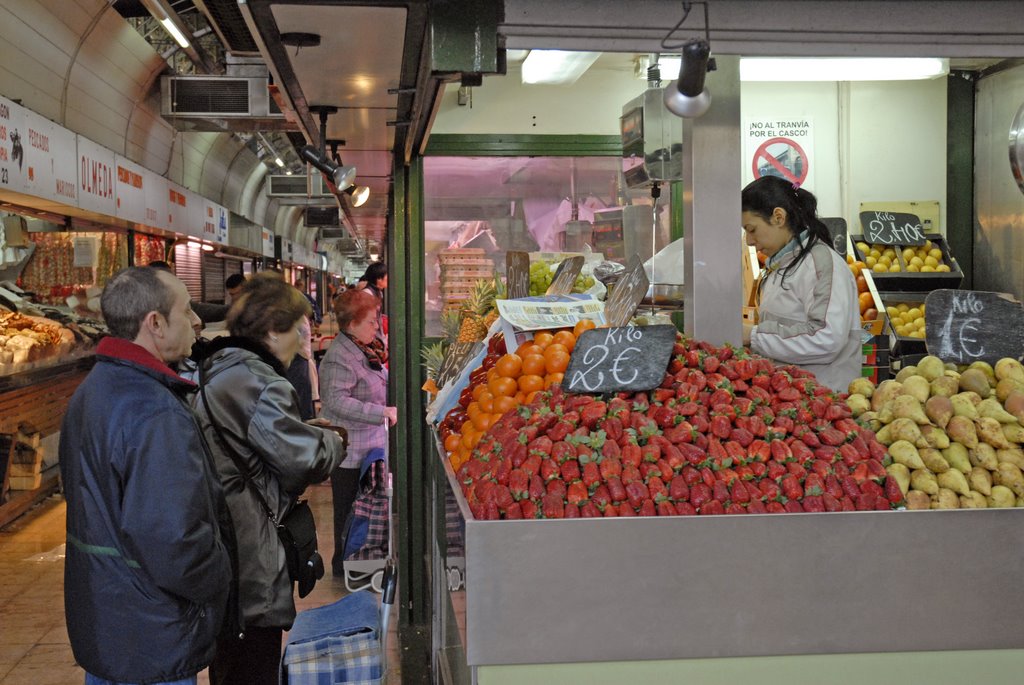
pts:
[841, 68]
[175, 32]
[556, 66]
[279, 162]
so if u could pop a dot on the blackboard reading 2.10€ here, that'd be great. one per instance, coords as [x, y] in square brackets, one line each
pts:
[625, 359]
[964, 326]
[892, 228]
[455, 359]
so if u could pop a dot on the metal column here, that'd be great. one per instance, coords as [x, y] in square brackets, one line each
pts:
[711, 212]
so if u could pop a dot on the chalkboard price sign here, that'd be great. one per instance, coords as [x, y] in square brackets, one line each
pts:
[837, 231]
[892, 228]
[517, 274]
[627, 293]
[963, 326]
[455, 359]
[623, 359]
[565, 276]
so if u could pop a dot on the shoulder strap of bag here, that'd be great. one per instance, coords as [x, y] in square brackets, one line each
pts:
[235, 457]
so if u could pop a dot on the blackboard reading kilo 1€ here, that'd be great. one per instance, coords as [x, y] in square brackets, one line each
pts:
[963, 326]
[517, 274]
[892, 228]
[455, 359]
[624, 359]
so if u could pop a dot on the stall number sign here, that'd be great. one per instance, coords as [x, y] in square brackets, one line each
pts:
[623, 359]
[892, 228]
[517, 275]
[963, 326]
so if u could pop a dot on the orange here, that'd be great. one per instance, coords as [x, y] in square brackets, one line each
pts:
[477, 389]
[866, 301]
[554, 348]
[482, 422]
[531, 383]
[451, 443]
[502, 386]
[503, 404]
[553, 378]
[583, 325]
[520, 398]
[862, 284]
[527, 348]
[566, 339]
[467, 426]
[492, 373]
[486, 403]
[533, 364]
[543, 339]
[557, 362]
[529, 398]
[472, 409]
[509, 365]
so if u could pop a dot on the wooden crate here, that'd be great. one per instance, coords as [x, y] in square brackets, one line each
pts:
[26, 482]
[464, 257]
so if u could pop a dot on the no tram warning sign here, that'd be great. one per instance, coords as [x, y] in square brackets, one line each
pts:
[781, 157]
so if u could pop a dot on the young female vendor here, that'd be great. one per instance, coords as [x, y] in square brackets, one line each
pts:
[807, 297]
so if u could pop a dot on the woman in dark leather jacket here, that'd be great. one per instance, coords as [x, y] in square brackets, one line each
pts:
[257, 411]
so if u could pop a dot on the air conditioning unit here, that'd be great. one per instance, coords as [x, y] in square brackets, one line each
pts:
[322, 217]
[283, 185]
[221, 103]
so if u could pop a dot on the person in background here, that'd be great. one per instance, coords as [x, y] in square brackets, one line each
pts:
[302, 283]
[257, 411]
[233, 286]
[149, 538]
[375, 282]
[808, 314]
[353, 392]
[208, 312]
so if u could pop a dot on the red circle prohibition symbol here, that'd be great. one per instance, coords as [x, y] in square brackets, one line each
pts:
[787, 173]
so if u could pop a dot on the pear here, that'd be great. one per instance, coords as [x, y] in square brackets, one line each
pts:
[919, 500]
[1010, 476]
[963, 406]
[885, 391]
[989, 431]
[986, 369]
[945, 499]
[1001, 498]
[984, 455]
[1009, 368]
[973, 500]
[901, 474]
[1013, 432]
[953, 480]
[952, 367]
[957, 456]
[992, 409]
[1014, 403]
[858, 404]
[1014, 455]
[905, 453]
[930, 367]
[861, 386]
[935, 436]
[980, 480]
[939, 409]
[885, 414]
[1007, 386]
[908, 407]
[918, 387]
[907, 429]
[946, 386]
[975, 380]
[884, 435]
[924, 480]
[933, 460]
[961, 429]
[905, 373]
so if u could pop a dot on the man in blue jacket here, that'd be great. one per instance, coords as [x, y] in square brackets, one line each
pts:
[149, 540]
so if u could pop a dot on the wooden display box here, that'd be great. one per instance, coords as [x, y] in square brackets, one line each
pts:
[906, 281]
[902, 345]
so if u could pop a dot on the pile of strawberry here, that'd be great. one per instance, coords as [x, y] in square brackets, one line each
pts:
[725, 433]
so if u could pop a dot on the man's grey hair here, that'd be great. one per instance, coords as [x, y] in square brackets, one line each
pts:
[130, 295]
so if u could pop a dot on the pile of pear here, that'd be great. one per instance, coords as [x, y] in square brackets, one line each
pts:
[955, 435]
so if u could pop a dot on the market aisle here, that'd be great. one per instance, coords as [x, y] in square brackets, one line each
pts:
[34, 648]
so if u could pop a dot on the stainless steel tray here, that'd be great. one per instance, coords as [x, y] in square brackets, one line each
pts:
[664, 295]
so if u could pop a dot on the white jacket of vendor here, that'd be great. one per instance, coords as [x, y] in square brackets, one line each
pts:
[811, 320]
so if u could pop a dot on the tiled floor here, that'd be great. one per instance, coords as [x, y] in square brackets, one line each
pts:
[34, 648]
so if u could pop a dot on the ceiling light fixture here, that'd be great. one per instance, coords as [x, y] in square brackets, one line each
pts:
[340, 175]
[556, 67]
[176, 33]
[686, 96]
[841, 68]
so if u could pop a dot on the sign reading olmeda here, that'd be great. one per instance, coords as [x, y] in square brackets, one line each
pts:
[780, 147]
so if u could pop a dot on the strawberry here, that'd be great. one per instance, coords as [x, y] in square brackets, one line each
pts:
[610, 466]
[673, 456]
[636, 492]
[742, 436]
[666, 469]
[739, 493]
[720, 491]
[797, 470]
[519, 484]
[865, 502]
[591, 475]
[572, 511]
[735, 508]
[870, 487]
[832, 486]
[562, 451]
[570, 470]
[822, 468]
[720, 427]
[666, 508]
[882, 504]
[830, 436]
[700, 424]
[536, 488]
[808, 437]
[514, 511]
[610, 511]
[589, 510]
[612, 427]
[532, 464]
[814, 504]
[793, 507]
[769, 489]
[651, 452]
[560, 430]
[892, 491]
[859, 472]
[756, 506]
[685, 509]
[616, 490]
[549, 470]
[666, 392]
[735, 452]
[759, 451]
[630, 473]
[791, 487]
[700, 494]
[776, 470]
[688, 408]
[788, 395]
[775, 508]
[592, 413]
[690, 475]
[540, 445]
[626, 510]
[678, 489]
[759, 469]
[814, 485]
[529, 508]
[692, 454]
[711, 508]
[876, 471]
[632, 454]
[850, 487]
[781, 452]
[656, 487]
[708, 477]
[601, 496]
[491, 512]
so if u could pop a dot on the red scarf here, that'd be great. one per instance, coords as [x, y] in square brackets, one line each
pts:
[376, 353]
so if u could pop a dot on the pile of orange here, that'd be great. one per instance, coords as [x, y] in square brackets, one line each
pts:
[868, 312]
[513, 381]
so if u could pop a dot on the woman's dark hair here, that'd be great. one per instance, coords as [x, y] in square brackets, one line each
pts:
[267, 305]
[352, 306]
[374, 273]
[762, 196]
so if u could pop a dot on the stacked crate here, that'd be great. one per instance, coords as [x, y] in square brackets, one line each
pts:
[24, 459]
[460, 270]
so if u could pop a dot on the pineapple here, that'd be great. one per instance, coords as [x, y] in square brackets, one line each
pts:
[479, 302]
[432, 356]
[451, 321]
[500, 293]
